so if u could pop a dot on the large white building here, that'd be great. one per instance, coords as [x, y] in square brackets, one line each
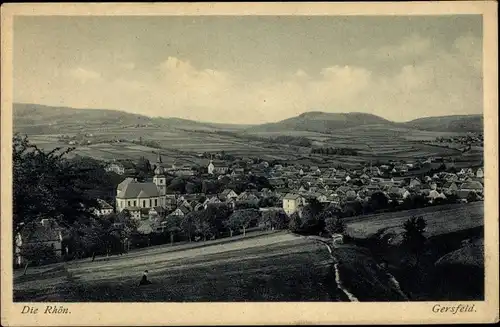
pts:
[292, 203]
[133, 195]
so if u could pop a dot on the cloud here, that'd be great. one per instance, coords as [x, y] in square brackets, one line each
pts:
[410, 47]
[84, 75]
[127, 65]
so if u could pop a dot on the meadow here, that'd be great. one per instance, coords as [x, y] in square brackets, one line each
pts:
[278, 267]
[440, 220]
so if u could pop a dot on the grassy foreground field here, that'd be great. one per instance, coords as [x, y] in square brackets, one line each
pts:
[278, 267]
[440, 220]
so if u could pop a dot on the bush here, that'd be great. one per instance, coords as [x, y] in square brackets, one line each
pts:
[413, 237]
[38, 254]
[295, 223]
[334, 226]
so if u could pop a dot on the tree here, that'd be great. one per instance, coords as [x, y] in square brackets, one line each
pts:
[274, 219]
[312, 220]
[187, 224]
[47, 185]
[202, 224]
[143, 165]
[216, 214]
[472, 197]
[379, 201]
[37, 253]
[295, 222]
[334, 226]
[413, 236]
[271, 201]
[173, 225]
[178, 184]
[352, 208]
[242, 219]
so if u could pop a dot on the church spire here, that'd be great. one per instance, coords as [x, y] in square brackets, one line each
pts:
[158, 158]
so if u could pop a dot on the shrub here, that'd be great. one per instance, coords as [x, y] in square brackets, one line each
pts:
[334, 226]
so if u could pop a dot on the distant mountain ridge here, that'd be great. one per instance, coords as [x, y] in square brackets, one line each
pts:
[47, 119]
[323, 122]
[456, 123]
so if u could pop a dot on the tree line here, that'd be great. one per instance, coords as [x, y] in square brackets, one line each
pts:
[335, 151]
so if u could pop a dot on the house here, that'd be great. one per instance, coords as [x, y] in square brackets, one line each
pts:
[480, 173]
[450, 187]
[247, 197]
[433, 195]
[227, 194]
[277, 182]
[450, 177]
[292, 203]
[398, 193]
[103, 208]
[463, 195]
[342, 190]
[198, 206]
[181, 211]
[182, 171]
[302, 189]
[135, 212]
[157, 212]
[415, 182]
[116, 168]
[147, 226]
[322, 198]
[238, 171]
[472, 186]
[44, 232]
[211, 200]
[374, 171]
[217, 168]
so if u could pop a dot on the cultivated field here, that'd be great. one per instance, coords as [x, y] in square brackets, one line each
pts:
[440, 220]
[372, 142]
[277, 267]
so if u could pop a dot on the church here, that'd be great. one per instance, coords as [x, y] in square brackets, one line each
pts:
[132, 195]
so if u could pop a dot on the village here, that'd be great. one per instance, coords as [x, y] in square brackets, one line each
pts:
[278, 190]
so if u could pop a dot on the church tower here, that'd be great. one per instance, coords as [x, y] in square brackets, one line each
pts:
[211, 168]
[160, 181]
[158, 159]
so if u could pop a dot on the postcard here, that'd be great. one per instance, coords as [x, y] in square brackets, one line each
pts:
[249, 164]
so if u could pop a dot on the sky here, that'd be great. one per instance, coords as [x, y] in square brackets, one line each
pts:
[252, 69]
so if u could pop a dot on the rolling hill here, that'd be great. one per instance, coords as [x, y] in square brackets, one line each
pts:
[458, 123]
[40, 119]
[322, 122]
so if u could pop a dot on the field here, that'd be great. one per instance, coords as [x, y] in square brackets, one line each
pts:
[277, 267]
[182, 145]
[440, 220]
